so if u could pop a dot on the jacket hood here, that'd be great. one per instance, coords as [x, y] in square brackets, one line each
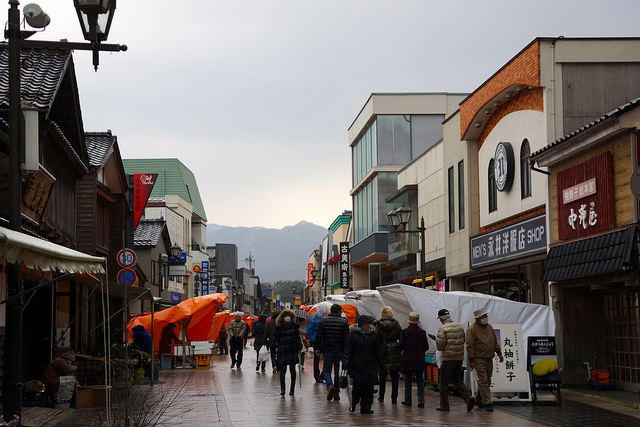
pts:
[283, 314]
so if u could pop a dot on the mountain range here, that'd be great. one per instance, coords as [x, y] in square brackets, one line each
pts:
[278, 254]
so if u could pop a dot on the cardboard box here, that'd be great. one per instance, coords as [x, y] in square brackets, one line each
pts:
[89, 396]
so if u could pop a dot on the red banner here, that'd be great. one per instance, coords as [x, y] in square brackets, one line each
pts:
[309, 275]
[142, 185]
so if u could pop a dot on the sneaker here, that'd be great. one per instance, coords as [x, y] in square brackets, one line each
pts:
[330, 392]
[336, 398]
[239, 368]
[420, 405]
[232, 365]
[257, 368]
[470, 402]
[406, 403]
[488, 408]
[441, 408]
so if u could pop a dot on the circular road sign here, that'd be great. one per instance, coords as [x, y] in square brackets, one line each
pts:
[244, 308]
[297, 297]
[127, 277]
[126, 258]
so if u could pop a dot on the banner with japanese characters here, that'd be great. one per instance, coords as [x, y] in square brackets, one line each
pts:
[344, 265]
[511, 375]
[585, 197]
[543, 362]
[142, 185]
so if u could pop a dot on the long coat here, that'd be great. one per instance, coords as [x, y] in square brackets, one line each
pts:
[413, 343]
[389, 331]
[287, 340]
[362, 356]
[258, 333]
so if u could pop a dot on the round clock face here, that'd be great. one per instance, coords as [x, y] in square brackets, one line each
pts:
[504, 166]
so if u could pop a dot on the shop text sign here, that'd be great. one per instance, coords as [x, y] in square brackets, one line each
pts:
[577, 192]
[510, 376]
[344, 265]
[514, 241]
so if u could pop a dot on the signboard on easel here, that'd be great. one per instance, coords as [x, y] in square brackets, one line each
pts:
[543, 366]
[511, 375]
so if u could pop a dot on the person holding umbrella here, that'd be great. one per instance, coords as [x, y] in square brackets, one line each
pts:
[288, 347]
[363, 353]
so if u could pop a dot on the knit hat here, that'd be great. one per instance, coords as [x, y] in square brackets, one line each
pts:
[414, 317]
[365, 318]
[443, 312]
[478, 313]
[386, 311]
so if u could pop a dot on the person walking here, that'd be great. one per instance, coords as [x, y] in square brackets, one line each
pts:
[312, 329]
[363, 353]
[268, 340]
[450, 342]
[288, 347]
[331, 338]
[237, 328]
[389, 331]
[222, 340]
[258, 337]
[413, 344]
[482, 346]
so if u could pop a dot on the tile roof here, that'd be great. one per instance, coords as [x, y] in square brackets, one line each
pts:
[41, 73]
[98, 146]
[616, 112]
[148, 232]
[613, 252]
[173, 178]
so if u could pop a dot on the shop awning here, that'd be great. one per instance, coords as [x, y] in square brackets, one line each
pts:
[43, 255]
[612, 252]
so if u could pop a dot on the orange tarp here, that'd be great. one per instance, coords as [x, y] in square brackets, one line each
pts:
[197, 311]
[225, 317]
[324, 308]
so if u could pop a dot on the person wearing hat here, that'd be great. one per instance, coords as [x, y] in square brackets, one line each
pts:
[363, 353]
[237, 328]
[482, 345]
[413, 344]
[450, 342]
[389, 331]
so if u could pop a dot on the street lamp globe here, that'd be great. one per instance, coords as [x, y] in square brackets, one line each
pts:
[95, 18]
[176, 251]
[393, 218]
[404, 214]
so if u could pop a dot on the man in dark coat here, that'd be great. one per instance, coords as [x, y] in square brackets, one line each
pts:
[363, 353]
[389, 331]
[413, 344]
[268, 339]
[288, 348]
[258, 338]
[142, 339]
[331, 338]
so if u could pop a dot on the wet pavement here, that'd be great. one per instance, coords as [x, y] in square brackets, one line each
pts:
[227, 397]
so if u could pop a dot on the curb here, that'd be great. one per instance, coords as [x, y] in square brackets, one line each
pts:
[619, 402]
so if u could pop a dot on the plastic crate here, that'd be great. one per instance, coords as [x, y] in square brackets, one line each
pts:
[202, 361]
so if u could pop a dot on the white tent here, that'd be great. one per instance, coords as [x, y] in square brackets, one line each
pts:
[536, 320]
[367, 301]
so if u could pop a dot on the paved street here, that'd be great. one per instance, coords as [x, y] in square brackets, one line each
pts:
[225, 397]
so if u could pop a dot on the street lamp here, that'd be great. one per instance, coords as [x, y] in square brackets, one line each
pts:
[16, 39]
[176, 251]
[401, 216]
[95, 18]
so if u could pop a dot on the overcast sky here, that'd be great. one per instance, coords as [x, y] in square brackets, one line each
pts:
[256, 97]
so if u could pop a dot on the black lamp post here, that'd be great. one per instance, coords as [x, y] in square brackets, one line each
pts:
[95, 18]
[401, 216]
[12, 385]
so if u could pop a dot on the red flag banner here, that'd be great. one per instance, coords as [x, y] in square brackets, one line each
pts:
[142, 185]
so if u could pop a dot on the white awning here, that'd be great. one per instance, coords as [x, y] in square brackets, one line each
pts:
[43, 255]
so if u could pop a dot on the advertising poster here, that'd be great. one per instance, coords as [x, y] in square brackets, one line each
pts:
[511, 375]
[543, 362]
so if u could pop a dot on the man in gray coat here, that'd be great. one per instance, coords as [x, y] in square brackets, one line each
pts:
[450, 342]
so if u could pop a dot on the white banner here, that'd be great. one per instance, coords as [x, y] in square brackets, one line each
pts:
[511, 375]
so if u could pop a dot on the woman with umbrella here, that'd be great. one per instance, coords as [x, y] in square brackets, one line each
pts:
[288, 348]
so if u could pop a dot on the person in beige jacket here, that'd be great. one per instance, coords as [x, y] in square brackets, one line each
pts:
[450, 341]
[482, 346]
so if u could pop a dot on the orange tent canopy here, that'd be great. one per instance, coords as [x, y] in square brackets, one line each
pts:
[225, 317]
[324, 308]
[198, 311]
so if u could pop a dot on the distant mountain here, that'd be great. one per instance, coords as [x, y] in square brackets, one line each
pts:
[279, 254]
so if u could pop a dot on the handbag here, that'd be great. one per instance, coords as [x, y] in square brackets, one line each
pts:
[263, 354]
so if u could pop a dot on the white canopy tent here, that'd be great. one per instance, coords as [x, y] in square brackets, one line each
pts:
[367, 301]
[536, 320]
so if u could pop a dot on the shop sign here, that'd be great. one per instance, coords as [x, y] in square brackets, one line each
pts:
[310, 280]
[204, 278]
[177, 270]
[344, 265]
[585, 197]
[510, 376]
[542, 351]
[176, 297]
[511, 242]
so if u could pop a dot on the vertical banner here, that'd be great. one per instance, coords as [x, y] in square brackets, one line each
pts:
[142, 185]
[204, 278]
[344, 265]
[310, 279]
[510, 376]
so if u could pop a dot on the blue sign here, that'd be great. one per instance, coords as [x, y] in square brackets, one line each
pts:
[175, 297]
[127, 277]
[204, 278]
[183, 258]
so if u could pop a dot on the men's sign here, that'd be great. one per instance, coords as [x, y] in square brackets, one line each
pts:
[511, 242]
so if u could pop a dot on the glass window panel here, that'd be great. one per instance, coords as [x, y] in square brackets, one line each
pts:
[461, 195]
[452, 216]
[387, 184]
[492, 190]
[385, 139]
[426, 131]
[525, 170]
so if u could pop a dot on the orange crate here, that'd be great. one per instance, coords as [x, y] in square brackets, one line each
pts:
[202, 361]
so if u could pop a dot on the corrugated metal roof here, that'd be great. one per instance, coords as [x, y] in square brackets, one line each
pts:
[616, 112]
[148, 232]
[173, 178]
[98, 146]
[607, 253]
[40, 75]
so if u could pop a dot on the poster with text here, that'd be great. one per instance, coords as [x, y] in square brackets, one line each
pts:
[511, 375]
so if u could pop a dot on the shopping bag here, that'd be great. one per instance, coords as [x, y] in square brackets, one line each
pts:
[263, 354]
